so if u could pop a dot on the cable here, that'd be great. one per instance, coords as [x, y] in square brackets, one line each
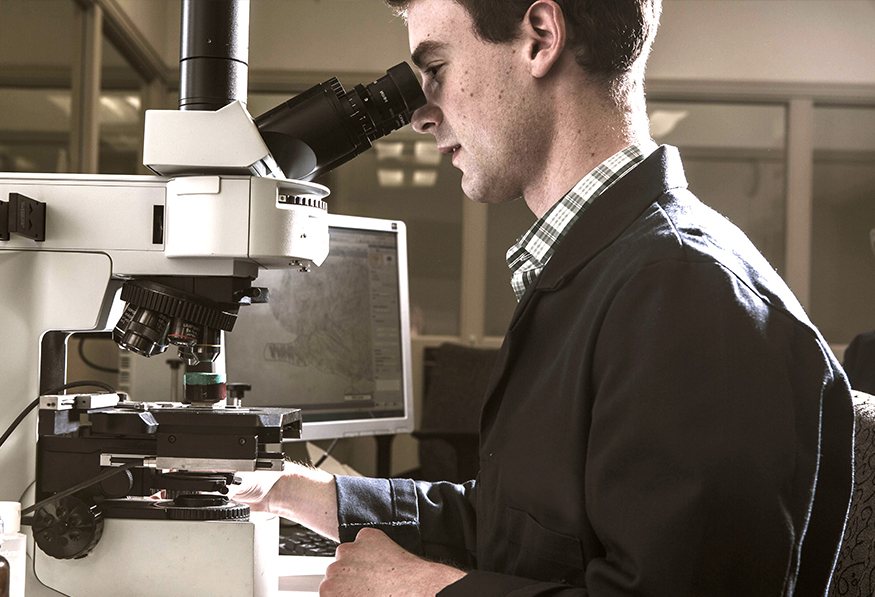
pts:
[82, 384]
[324, 456]
[67, 386]
[18, 420]
[90, 363]
[83, 485]
[35, 403]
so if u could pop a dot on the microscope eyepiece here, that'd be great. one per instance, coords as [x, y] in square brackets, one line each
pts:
[325, 126]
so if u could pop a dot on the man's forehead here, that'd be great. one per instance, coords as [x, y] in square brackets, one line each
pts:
[433, 24]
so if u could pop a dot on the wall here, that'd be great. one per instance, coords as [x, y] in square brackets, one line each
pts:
[303, 35]
[810, 41]
[326, 35]
[19, 19]
[151, 18]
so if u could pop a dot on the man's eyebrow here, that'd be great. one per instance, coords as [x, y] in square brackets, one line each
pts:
[420, 54]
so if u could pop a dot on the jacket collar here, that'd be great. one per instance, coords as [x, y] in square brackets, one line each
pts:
[610, 214]
[606, 219]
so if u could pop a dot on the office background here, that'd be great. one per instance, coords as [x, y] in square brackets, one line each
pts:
[772, 103]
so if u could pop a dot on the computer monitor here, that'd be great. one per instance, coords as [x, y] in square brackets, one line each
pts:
[334, 341]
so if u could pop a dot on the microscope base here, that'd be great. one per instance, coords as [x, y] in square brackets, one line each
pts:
[172, 558]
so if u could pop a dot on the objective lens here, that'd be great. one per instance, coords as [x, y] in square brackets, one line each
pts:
[203, 349]
[325, 126]
[157, 315]
[141, 331]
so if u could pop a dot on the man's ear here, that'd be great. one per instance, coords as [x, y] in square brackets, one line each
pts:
[543, 30]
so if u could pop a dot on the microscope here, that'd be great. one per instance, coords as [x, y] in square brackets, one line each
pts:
[167, 260]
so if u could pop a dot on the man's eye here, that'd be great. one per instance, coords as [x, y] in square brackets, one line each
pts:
[432, 71]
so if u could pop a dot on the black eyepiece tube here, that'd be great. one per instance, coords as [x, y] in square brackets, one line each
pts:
[214, 53]
[324, 127]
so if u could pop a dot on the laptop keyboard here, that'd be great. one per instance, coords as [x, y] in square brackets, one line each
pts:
[301, 541]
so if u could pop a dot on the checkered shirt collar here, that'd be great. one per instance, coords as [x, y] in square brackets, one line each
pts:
[528, 256]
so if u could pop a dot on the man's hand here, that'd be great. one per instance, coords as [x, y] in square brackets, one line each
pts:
[375, 565]
[299, 493]
[254, 489]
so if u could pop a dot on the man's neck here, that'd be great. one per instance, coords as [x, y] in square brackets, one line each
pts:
[583, 140]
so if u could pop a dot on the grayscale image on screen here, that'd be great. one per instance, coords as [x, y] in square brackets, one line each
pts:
[331, 341]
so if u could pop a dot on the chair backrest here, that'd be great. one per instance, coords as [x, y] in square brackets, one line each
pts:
[854, 575]
[455, 388]
[456, 380]
[859, 362]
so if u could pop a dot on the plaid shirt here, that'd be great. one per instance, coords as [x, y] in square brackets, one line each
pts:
[531, 252]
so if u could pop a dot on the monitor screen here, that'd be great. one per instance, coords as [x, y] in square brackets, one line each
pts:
[334, 341]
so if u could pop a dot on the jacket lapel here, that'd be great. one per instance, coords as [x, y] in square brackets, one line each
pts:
[600, 225]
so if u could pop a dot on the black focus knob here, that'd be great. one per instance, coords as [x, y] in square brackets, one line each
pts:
[68, 528]
[237, 391]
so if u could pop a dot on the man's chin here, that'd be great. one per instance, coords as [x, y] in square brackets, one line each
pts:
[474, 189]
[485, 193]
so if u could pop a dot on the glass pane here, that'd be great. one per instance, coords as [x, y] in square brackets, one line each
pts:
[506, 222]
[842, 260]
[121, 136]
[404, 177]
[35, 60]
[34, 130]
[120, 115]
[37, 35]
[718, 126]
[734, 158]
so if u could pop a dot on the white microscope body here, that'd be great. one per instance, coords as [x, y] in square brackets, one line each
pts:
[101, 231]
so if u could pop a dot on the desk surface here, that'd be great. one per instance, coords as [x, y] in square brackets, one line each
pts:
[300, 575]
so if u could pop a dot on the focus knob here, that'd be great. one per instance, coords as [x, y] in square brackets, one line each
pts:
[68, 528]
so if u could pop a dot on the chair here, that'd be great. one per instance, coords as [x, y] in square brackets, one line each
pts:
[455, 383]
[854, 575]
[859, 362]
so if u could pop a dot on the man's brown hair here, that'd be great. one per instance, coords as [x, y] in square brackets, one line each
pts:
[607, 36]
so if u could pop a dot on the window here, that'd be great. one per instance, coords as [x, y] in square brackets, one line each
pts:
[120, 114]
[35, 75]
[842, 260]
[734, 159]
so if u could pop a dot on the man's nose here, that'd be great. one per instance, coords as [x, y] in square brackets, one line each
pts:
[426, 118]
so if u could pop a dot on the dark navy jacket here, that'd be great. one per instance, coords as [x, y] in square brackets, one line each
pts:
[663, 420]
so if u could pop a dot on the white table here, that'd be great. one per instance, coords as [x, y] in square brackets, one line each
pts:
[300, 575]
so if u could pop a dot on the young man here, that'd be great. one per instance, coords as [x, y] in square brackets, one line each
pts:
[663, 419]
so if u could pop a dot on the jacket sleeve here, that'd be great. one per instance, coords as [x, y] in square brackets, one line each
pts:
[434, 520]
